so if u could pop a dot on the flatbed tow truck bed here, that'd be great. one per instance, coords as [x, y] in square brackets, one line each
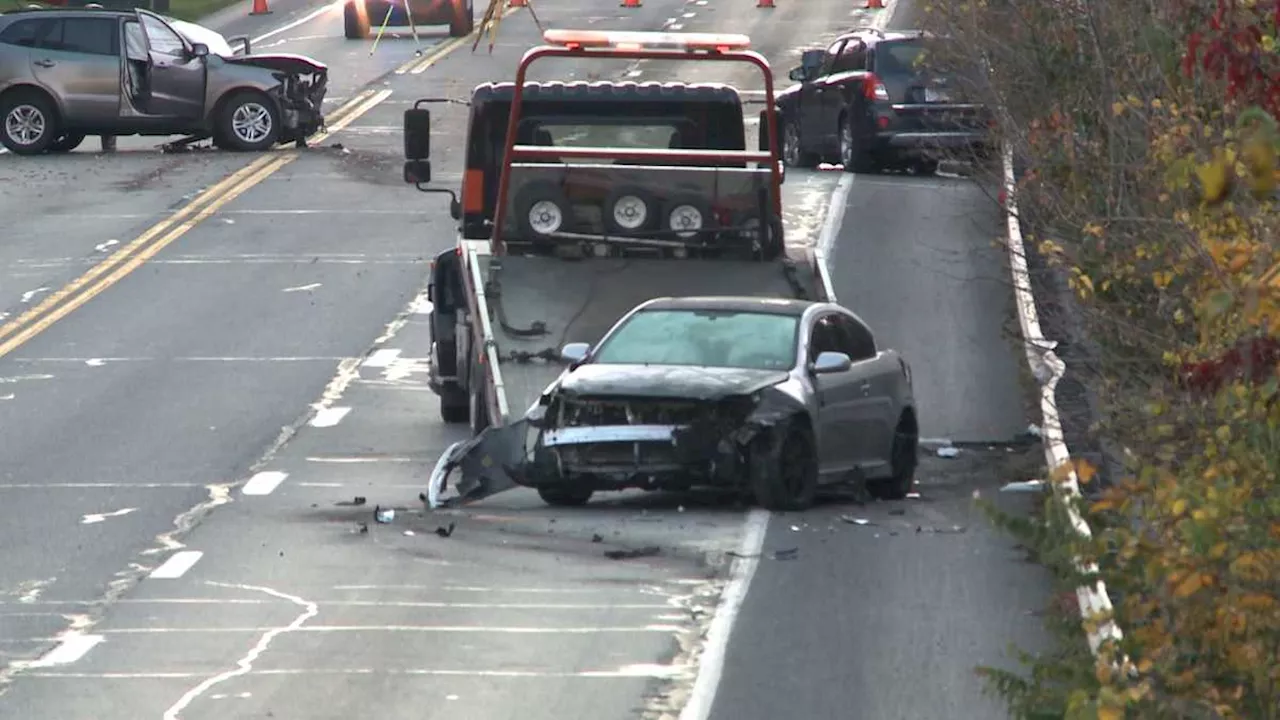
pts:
[535, 305]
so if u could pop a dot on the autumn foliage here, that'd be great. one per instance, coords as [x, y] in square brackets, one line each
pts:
[1147, 143]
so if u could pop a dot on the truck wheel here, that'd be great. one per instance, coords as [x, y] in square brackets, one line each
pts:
[784, 472]
[28, 123]
[904, 457]
[541, 211]
[455, 405]
[565, 496]
[355, 21]
[248, 122]
[627, 210]
[686, 216]
[853, 152]
[462, 25]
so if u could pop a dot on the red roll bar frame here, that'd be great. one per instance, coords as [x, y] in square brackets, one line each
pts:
[630, 48]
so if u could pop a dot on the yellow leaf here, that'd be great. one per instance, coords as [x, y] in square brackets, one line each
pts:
[1162, 278]
[1102, 506]
[1257, 601]
[1084, 470]
[1093, 229]
[1218, 551]
[1215, 178]
[1117, 108]
[1179, 507]
[1188, 586]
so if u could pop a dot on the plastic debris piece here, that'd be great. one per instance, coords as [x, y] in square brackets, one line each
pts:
[795, 528]
[383, 516]
[854, 520]
[788, 554]
[1028, 486]
[948, 452]
[408, 533]
[647, 551]
[445, 532]
[596, 538]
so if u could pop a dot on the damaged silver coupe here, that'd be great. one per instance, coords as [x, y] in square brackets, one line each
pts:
[771, 397]
[132, 72]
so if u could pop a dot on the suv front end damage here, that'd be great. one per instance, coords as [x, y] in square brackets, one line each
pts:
[616, 443]
[303, 83]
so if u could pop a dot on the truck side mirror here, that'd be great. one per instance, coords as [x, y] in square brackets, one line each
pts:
[417, 172]
[417, 134]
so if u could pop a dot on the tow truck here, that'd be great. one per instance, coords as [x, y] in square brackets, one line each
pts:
[579, 201]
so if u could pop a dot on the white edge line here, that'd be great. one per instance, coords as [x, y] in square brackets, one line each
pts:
[711, 663]
[380, 358]
[328, 417]
[264, 483]
[1094, 601]
[177, 565]
[300, 21]
[70, 648]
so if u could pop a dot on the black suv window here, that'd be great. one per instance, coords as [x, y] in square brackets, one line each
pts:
[91, 36]
[25, 32]
[898, 57]
[852, 57]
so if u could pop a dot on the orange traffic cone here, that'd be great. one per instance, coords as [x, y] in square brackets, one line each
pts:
[765, 4]
[875, 5]
[260, 8]
[630, 3]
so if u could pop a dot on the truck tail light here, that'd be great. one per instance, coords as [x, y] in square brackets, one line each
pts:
[873, 89]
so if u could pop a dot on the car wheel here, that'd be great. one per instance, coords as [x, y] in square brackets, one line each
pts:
[784, 472]
[565, 496]
[455, 405]
[628, 210]
[355, 21]
[904, 457]
[768, 245]
[925, 167]
[463, 24]
[792, 153]
[248, 122]
[66, 143]
[28, 123]
[854, 157]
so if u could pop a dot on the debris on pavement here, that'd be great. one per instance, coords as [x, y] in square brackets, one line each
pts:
[855, 520]
[597, 538]
[1028, 486]
[354, 502]
[362, 528]
[949, 451]
[383, 516]
[445, 532]
[787, 554]
[953, 530]
[913, 496]
[647, 551]
[408, 533]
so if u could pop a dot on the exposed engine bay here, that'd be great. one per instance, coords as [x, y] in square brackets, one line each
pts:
[303, 85]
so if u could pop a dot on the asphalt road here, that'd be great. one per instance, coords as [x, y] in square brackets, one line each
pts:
[131, 425]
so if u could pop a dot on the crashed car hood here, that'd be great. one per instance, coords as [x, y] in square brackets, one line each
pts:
[283, 62]
[667, 381]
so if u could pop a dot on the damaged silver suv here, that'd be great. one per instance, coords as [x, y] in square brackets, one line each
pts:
[69, 73]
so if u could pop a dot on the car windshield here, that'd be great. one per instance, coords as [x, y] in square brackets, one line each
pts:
[710, 338]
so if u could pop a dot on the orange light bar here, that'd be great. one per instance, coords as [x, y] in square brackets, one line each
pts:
[637, 41]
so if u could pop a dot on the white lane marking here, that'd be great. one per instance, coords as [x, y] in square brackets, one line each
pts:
[1093, 600]
[368, 603]
[95, 362]
[177, 565]
[328, 417]
[355, 460]
[72, 647]
[662, 672]
[93, 518]
[301, 288]
[421, 305]
[381, 358]
[103, 247]
[245, 664]
[264, 482]
[23, 378]
[29, 295]
[331, 7]
[473, 589]
[676, 27]
[508, 630]
[688, 15]
[714, 649]
[101, 361]
[9, 396]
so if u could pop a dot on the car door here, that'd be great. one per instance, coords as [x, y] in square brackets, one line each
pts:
[78, 60]
[812, 97]
[872, 417]
[848, 68]
[837, 396]
[175, 82]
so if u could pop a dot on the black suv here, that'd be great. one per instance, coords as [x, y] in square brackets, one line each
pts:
[872, 100]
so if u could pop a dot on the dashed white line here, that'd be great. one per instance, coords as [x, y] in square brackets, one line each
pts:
[512, 630]
[627, 671]
[381, 358]
[328, 417]
[177, 565]
[29, 295]
[93, 518]
[301, 288]
[264, 482]
[72, 647]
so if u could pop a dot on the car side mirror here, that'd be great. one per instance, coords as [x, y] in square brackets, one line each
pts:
[244, 39]
[831, 362]
[417, 172]
[199, 50]
[417, 134]
[799, 74]
[574, 353]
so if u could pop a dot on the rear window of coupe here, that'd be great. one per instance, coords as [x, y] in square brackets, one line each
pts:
[708, 338]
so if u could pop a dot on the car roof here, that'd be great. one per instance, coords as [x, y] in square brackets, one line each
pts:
[872, 36]
[74, 11]
[746, 303]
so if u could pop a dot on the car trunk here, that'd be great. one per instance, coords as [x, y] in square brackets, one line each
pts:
[925, 97]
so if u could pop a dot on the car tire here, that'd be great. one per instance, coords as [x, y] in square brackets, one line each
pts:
[632, 195]
[904, 457]
[772, 244]
[355, 24]
[784, 470]
[67, 143]
[455, 405]
[247, 122]
[683, 203]
[28, 123]
[534, 205]
[853, 155]
[925, 167]
[792, 152]
[565, 496]
[463, 25]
